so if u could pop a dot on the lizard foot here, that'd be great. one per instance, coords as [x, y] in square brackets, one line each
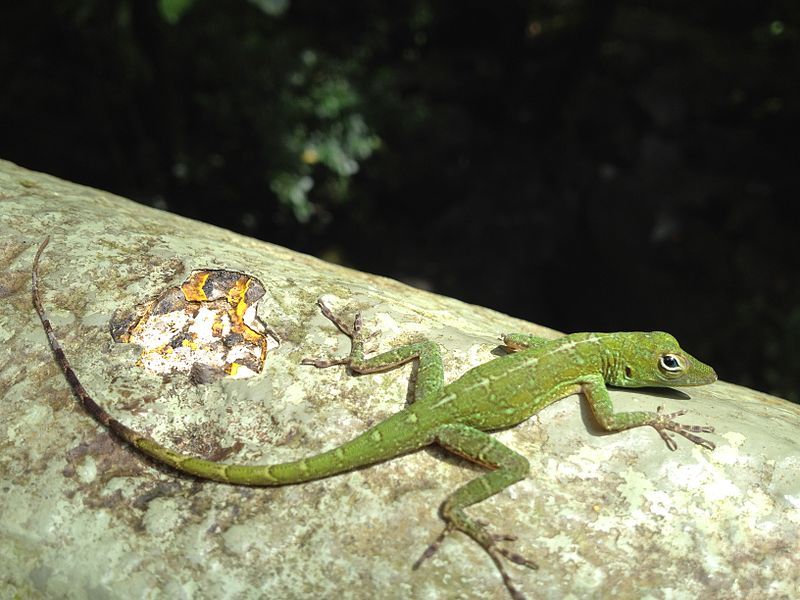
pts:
[352, 331]
[323, 363]
[488, 542]
[664, 423]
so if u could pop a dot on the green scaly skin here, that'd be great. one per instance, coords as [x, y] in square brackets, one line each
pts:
[497, 394]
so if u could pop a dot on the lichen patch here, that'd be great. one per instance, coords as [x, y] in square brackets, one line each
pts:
[207, 327]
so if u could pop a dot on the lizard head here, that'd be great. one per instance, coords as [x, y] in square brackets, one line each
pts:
[656, 358]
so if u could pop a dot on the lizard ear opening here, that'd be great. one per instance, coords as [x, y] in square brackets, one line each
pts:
[628, 372]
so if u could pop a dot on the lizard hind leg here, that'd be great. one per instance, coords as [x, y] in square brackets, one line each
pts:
[430, 369]
[508, 467]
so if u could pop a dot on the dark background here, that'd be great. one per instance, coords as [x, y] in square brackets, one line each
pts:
[584, 164]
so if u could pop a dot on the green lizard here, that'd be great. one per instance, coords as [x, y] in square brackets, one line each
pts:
[500, 393]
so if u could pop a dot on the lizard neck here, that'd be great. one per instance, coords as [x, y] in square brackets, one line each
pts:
[611, 364]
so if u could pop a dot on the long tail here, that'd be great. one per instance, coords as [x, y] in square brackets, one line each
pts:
[343, 458]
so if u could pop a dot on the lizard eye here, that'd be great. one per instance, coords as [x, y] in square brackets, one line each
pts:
[671, 364]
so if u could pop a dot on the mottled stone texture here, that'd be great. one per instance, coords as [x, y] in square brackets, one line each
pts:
[83, 517]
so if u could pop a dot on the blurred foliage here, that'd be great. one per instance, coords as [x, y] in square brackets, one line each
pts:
[172, 10]
[585, 164]
[322, 123]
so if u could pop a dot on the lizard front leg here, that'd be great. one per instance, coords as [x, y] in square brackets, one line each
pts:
[507, 466]
[594, 389]
[430, 370]
[514, 342]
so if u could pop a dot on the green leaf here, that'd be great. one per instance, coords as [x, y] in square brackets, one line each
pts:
[172, 10]
[292, 190]
[273, 8]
